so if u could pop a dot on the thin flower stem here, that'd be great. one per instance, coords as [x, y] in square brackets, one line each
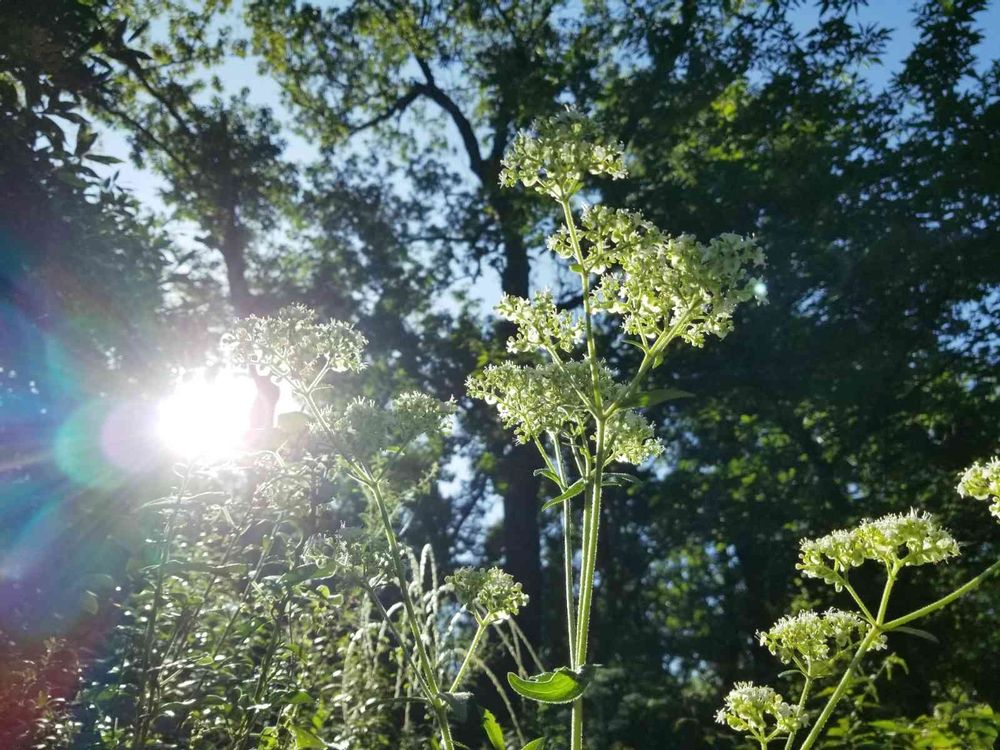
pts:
[440, 711]
[845, 681]
[587, 312]
[373, 488]
[806, 686]
[391, 626]
[859, 601]
[481, 626]
[144, 709]
[567, 520]
[944, 600]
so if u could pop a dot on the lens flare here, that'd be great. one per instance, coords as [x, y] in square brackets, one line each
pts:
[207, 416]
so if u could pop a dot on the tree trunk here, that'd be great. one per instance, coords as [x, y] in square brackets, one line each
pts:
[521, 529]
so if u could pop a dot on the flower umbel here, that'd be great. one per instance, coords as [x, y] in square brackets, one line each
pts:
[760, 712]
[489, 594]
[895, 541]
[558, 152]
[680, 287]
[816, 641]
[982, 482]
[294, 345]
[540, 324]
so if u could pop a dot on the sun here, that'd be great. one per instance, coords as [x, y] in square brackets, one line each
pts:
[207, 415]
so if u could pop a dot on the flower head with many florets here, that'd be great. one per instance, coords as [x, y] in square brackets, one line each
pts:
[816, 642]
[490, 593]
[557, 153]
[759, 711]
[982, 482]
[295, 345]
[896, 541]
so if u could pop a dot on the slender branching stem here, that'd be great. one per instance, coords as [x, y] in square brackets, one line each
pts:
[806, 687]
[481, 627]
[430, 676]
[874, 631]
[567, 521]
[944, 600]
[587, 568]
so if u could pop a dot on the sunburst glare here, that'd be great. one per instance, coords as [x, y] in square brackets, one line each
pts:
[207, 415]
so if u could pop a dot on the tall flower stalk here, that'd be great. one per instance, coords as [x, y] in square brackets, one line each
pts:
[580, 414]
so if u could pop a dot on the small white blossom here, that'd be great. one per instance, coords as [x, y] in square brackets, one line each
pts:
[541, 326]
[488, 593]
[535, 400]
[895, 541]
[816, 641]
[982, 482]
[294, 345]
[680, 286]
[557, 153]
[760, 712]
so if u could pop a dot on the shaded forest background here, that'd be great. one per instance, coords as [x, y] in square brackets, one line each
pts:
[864, 386]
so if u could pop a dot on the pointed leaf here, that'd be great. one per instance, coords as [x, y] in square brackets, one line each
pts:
[572, 491]
[538, 744]
[304, 739]
[562, 685]
[493, 731]
[652, 398]
[548, 474]
[917, 632]
[617, 479]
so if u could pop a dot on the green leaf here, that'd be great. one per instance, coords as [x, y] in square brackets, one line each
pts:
[617, 479]
[917, 632]
[572, 491]
[306, 739]
[652, 398]
[538, 744]
[548, 474]
[562, 685]
[493, 731]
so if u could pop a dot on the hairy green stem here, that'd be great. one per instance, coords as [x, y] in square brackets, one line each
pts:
[481, 627]
[373, 488]
[807, 685]
[587, 568]
[944, 600]
[567, 521]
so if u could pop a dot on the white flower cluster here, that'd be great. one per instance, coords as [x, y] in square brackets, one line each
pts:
[680, 286]
[540, 324]
[815, 640]
[982, 482]
[294, 345]
[364, 430]
[895, 540]
[534, 400]
[606, 237]
[760, 712]
[557, 153]
[489, 593]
